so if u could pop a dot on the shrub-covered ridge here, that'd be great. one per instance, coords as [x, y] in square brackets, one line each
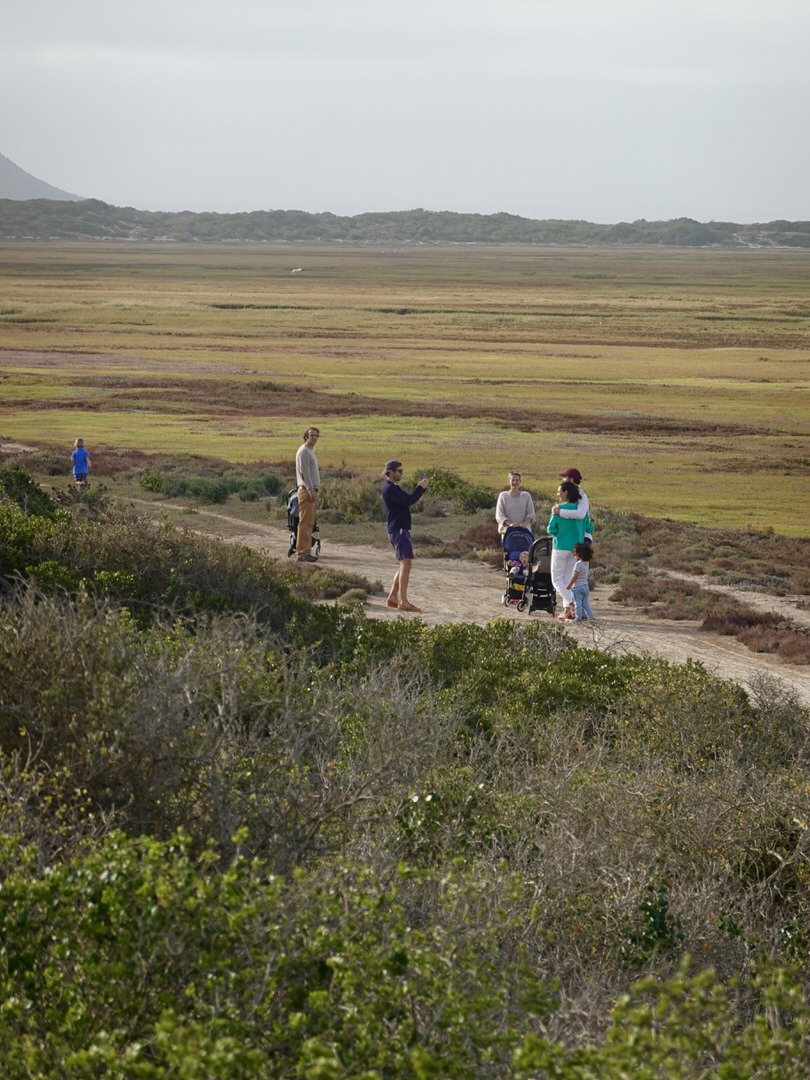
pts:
[276, 840]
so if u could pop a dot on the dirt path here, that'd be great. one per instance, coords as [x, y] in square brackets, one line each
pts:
[449, 590]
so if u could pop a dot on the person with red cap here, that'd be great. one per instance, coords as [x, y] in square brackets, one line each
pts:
[583, 504]
[566, 533]
[561, 564]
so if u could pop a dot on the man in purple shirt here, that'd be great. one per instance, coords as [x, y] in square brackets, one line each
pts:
[398, 505]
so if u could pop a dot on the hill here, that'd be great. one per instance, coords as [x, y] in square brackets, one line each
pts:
[16, 184]
[44, 218]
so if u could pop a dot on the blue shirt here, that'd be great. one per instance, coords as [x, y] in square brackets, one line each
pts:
[398, 504]
[79, 457]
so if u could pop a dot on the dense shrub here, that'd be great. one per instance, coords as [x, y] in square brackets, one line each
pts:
[143, 565]
[246, 836]
[464, 497]
[351, 499]
[330, 973]
[19, 487]
[215, 488]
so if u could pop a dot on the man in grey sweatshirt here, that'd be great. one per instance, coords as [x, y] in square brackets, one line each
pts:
[308, 479]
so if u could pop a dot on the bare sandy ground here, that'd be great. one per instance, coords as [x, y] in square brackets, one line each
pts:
[452, 591]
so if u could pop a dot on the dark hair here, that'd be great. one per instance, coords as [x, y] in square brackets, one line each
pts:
[571, 490]
[584, 551]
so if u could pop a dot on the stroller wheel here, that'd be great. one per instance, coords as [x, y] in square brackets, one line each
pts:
[521, 605]
[505, 600]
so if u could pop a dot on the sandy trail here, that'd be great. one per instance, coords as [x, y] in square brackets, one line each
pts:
[449, 590]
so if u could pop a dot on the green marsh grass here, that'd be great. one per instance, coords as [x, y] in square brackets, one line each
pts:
[650, 370]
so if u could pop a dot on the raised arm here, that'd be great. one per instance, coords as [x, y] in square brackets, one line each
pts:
[582, 508]
[396, 496]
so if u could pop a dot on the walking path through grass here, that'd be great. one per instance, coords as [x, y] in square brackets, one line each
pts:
[452, 590]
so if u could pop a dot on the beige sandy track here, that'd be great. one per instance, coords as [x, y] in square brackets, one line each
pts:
[448, 590]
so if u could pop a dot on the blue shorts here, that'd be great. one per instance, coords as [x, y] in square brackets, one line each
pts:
[80, 477]
[401, 543]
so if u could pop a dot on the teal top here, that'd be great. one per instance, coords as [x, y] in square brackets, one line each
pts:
[568, 531]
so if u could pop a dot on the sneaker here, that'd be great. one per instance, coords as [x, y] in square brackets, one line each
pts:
[307, 558]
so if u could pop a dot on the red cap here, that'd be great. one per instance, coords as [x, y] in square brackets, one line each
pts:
[572, 474]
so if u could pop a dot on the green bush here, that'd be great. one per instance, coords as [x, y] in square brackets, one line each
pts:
[260, 487]
[21, 489]
[238, 975]
[213, 488]
[353, 499]
[26, 539]
[465, 497]
[146, 566]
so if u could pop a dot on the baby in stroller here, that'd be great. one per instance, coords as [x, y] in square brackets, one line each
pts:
[517, 542]
[527, 563]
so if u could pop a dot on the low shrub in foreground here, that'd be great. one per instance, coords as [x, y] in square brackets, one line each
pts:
[296, 841]
[19, 488]
[138, 959]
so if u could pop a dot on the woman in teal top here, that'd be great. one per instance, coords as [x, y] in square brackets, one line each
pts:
[566, 533]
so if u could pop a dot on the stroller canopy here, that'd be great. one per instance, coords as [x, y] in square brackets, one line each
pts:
[516, 539]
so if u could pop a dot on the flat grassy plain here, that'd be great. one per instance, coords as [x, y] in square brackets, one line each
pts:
[676, 380]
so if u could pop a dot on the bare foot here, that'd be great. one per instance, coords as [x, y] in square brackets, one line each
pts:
[408, 607]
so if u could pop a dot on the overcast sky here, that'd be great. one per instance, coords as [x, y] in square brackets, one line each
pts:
[606, 110]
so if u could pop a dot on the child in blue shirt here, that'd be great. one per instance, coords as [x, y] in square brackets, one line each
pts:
[81, 463]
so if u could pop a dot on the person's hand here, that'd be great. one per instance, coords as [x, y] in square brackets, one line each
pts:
[555, 508]
[423, 483]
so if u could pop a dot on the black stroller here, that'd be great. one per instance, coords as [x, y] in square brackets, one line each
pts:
[292, 524]
[538, 593]
[516, 541]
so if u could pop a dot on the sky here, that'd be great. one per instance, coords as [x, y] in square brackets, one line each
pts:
[601, 110]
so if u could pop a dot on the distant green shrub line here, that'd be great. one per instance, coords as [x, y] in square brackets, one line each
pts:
[91, 219]
[248, 836]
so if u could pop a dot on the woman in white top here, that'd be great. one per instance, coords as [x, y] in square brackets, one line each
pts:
[514, 507]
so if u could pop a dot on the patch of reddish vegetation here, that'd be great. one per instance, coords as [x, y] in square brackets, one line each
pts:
[762, 632]
[483, 537]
